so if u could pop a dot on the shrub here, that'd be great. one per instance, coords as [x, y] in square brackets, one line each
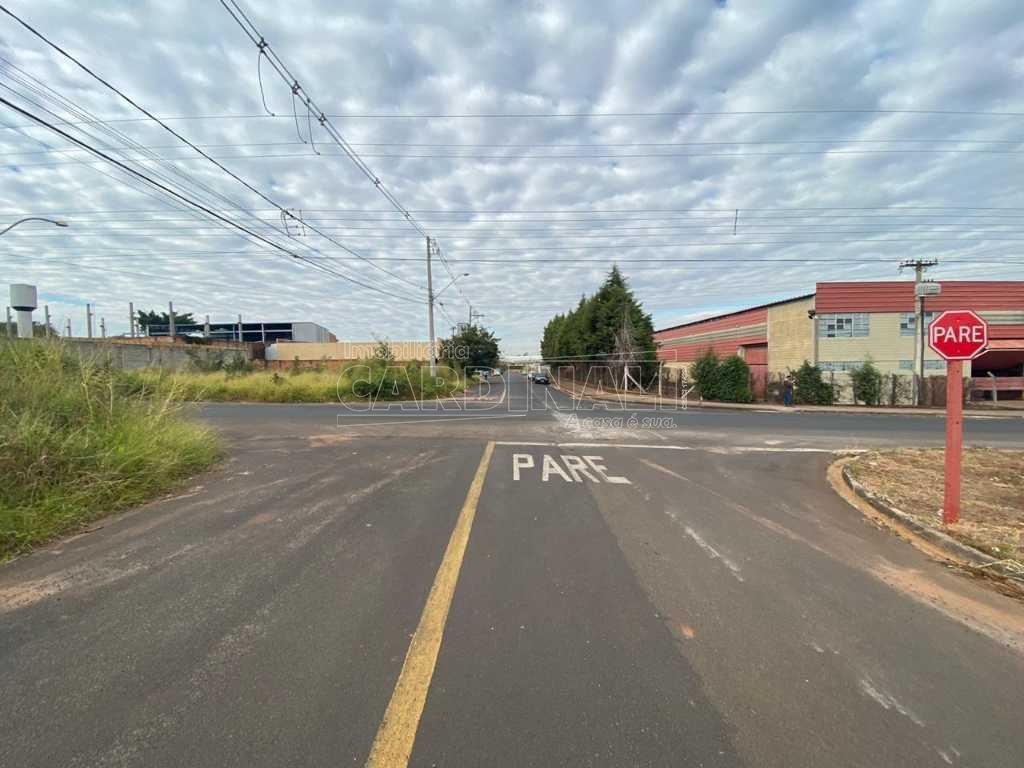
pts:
[734, 380]
[867, 383]
[809, 386]
[236, 364]
[704, 373]
[728, 380]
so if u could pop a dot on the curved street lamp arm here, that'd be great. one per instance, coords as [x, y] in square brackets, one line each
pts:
[32, 218]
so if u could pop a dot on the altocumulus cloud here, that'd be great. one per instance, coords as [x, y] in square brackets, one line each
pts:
[761, 146]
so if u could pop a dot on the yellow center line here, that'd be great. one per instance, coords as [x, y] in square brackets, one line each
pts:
[397, 733]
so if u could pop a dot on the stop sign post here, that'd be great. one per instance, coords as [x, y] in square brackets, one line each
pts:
[956, 335]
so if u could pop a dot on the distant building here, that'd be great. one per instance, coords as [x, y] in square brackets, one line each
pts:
[843, 323]
[266, 333]
[401, 351]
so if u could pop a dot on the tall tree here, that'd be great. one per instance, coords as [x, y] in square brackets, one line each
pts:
[153, 317]
[608, 327]
[472, 347]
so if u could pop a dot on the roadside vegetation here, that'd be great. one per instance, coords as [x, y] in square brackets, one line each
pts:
[866, 381]
[473, 347]
[810, 388]
[607, 330]
[78, 441]
[236, 381]
[727, 380]
[992, 500]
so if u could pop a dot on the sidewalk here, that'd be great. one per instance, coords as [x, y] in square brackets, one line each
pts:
[651, 400]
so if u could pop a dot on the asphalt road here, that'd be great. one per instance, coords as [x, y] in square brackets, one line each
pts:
[502, 585]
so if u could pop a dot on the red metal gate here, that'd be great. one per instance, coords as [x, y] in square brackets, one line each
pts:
[756, 356]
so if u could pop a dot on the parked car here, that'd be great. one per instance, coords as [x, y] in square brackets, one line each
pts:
[540, 378]
[531, 375]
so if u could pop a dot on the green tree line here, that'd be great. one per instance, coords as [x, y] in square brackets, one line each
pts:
[607, 328]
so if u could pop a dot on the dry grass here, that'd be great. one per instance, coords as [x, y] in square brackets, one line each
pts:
[76, 444]
[992, 498]
[294, 386]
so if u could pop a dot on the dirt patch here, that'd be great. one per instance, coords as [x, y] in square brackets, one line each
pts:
[992, 497]
[321, 441]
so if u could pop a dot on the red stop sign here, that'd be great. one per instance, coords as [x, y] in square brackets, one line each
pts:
[958, 334]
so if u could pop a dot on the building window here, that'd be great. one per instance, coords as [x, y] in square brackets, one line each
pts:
[908, 320]
[844, 326]
[929, 365]
[839, 366]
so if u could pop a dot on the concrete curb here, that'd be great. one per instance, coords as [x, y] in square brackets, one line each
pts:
[946, 543]
[773, 408]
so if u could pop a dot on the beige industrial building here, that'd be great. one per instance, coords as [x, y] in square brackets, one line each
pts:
[403, 351]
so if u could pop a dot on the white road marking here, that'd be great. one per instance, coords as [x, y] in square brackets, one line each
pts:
[577, 467]
[403, 422]
[572, 469]
[550, 465]
[520, 460]
[602, 470]
[734, 449]
[714, 554]
[887, 701]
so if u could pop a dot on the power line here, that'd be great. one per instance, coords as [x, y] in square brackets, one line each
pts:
[183, 198]
[962, 237]
[561, 145]
[183, 256]
[582, 115]
[550, 156]
[298, 92]
[637, 238]
[357, 212]
[151, 116]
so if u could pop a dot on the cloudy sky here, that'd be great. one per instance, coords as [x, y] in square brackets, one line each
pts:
[723, 153]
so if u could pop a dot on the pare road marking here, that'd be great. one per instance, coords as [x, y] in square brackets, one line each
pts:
[567, 467]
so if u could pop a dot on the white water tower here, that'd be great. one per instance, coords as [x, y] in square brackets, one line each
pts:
[24, 301]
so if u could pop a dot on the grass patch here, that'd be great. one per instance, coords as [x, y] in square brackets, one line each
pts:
[78, 441]
[384, 381]
[992, 495]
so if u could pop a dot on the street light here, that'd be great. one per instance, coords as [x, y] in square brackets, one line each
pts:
[33, 218]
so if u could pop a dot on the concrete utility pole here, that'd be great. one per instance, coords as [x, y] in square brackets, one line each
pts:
[170, 319]
[206, 327]
[241, 337]
[103, 327]
[88, 321]
[68, 333]
[430, 309]
[919, 265]
[46, 315]
[131, 319]
[8, 326]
